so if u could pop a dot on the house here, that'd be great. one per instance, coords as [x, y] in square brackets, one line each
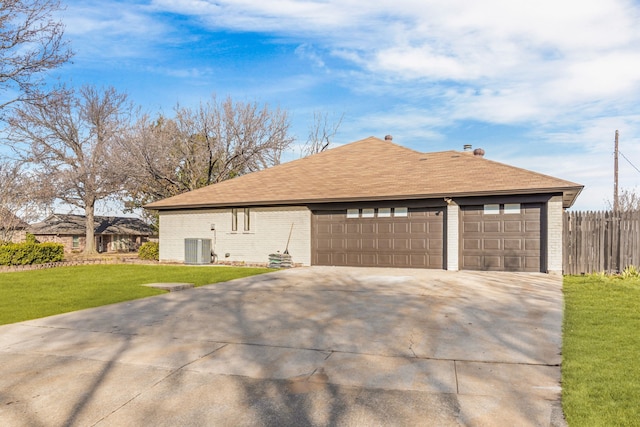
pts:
[375, 203]
[12, 228]
[112, 234]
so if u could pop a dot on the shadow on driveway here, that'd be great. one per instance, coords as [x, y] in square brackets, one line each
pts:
[308, 346]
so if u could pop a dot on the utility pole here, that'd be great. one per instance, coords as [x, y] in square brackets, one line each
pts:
[616, 205]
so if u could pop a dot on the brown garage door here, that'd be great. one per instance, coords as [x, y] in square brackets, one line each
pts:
[414, 240]
[501, 237]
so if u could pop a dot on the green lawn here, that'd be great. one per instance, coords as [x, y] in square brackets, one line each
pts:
[39, 293]
[601, 351]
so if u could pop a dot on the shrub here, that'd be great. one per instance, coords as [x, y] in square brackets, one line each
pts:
[30, 253]
[30, 238]
[150, 251]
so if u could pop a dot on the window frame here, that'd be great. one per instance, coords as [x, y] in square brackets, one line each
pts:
[491, 209]
[403, 212]
[247, 219]
[234, 219]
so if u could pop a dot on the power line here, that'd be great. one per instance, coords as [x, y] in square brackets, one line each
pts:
[629, 161]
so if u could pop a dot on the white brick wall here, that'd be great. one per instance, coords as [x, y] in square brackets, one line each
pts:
[453, 231]
[269, 233]
[554, 235]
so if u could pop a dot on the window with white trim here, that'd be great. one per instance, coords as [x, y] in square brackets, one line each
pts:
[368, 213]
[401, 212]
[492, 209]
[353, 213]
[384, 212]
[512, 208]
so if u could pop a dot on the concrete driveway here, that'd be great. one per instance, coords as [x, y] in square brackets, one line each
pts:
[308, 346]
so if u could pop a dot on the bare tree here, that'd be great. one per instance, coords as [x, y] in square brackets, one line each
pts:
[31, 42]
[18, 206]
[201, 146]
[72, 141]
[628, 200]
[321, 132]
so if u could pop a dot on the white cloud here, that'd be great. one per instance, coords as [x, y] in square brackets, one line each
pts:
[567, 70]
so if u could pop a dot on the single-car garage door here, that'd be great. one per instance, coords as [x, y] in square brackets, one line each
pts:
[501, 237]
[381, 237]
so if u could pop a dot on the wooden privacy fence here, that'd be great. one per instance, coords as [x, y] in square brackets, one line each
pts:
[600, 241]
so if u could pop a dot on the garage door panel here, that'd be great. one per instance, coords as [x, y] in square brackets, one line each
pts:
[324, 228]
[385, 228]
[401, 244]
[418, 260]
[513, 226]
[471, 227]
[418, 227]
[353, 258]
[504, 240]
[471, 261]
[385, 259]
[417, 244]
[491, 227]
[532, 226]
[532, 263]
[368, 228]
[471, 244]
[492, 262]
[353, 228]
[412, 241]
[401, 260]
[352, 244]
[337, 229]
[435, 246]
[338, 243]
[532, 245]
[400, 228]
[435, 229]
[512, 244]
[368, 244]
[324, 258]
[491, 244]
[385, 244]
[512, 263]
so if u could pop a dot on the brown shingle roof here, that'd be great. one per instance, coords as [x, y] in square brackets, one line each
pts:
[373, 169]
[69, 224]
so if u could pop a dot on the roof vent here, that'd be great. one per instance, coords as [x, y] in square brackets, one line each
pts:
[478, 152]
[388, 138]
[467, 147]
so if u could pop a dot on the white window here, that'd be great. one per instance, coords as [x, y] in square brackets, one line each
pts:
[401, 212]
[512, 208]
[491, 209]
[368, 213]
[384, 212]
[353, 213]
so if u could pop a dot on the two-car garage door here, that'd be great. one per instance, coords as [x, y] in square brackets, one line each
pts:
[386, 237]
[494, 237]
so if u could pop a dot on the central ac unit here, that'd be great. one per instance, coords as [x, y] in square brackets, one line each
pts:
[197, 251]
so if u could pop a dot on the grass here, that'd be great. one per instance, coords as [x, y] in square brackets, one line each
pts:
[39, 293]
[601, 351]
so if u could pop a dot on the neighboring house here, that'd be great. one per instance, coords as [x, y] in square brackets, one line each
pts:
[12, 228]
[375, 203]
[112, 234]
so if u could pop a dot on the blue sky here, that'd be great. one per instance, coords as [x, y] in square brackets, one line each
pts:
[541, 85]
